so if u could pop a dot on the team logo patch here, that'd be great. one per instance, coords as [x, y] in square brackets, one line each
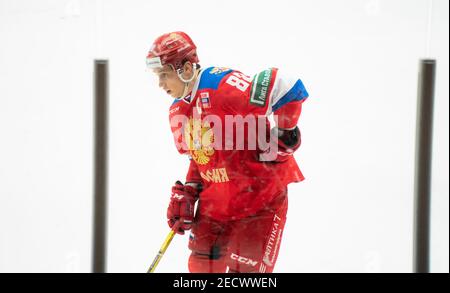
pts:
[260, 88]
[218, 70]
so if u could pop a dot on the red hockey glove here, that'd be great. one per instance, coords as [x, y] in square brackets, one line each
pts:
[181, 206]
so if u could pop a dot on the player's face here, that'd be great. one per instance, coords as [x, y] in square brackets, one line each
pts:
[169, 81]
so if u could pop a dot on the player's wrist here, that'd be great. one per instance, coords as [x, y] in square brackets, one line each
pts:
[197, 186]
[287, 138]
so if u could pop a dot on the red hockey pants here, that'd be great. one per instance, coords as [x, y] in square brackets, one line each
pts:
[246, 245]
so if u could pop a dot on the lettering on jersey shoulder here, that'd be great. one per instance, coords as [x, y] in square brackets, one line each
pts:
[218, 70]
[218, 175]
[260, 88]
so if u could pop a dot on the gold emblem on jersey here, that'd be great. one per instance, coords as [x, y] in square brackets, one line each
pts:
[218, 70]
[199, 139]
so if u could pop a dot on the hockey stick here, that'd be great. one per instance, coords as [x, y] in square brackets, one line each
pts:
[163, 248]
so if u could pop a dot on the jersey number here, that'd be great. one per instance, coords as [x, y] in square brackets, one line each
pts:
[239, 80]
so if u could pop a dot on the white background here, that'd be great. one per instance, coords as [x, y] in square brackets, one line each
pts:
[358, 59]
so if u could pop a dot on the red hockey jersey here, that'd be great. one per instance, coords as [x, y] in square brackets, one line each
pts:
[222, 125]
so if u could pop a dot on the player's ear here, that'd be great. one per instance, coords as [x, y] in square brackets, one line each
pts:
[187, 67]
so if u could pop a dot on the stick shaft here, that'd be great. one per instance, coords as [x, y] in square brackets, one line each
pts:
[161, 251]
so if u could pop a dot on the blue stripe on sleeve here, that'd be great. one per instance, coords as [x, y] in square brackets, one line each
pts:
[296, 93]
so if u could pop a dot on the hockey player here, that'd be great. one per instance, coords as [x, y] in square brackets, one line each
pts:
[239, 167]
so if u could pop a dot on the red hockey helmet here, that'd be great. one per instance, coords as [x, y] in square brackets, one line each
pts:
[173, 48]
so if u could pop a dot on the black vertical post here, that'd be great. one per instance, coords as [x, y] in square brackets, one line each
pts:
[424, 132]
[100, 165]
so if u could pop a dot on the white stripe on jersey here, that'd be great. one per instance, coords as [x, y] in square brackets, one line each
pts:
[282, 85]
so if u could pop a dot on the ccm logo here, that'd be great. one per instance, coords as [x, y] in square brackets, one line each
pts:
[243, 260]
[174, 110]
[177, 196]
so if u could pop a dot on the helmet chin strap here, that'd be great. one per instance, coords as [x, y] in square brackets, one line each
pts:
[187, 81]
